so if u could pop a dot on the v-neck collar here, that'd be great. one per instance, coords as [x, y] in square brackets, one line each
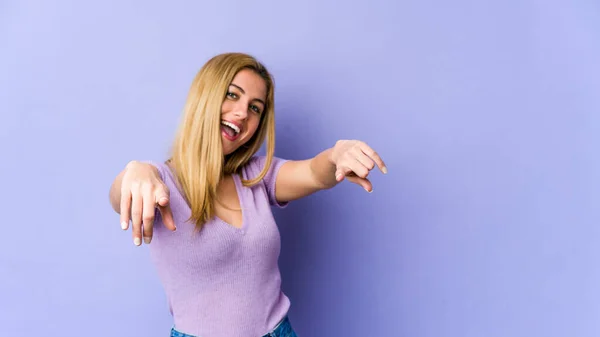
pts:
[239, 191]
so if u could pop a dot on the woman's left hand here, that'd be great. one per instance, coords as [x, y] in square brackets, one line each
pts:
[354, 160]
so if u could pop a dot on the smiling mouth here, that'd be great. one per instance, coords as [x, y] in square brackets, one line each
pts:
[230, 130]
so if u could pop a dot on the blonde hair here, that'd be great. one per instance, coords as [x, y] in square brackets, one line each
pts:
[197, 153]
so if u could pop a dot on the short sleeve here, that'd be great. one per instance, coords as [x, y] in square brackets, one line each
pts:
[256, 165]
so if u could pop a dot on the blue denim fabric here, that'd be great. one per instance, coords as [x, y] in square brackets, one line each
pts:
[284, 329]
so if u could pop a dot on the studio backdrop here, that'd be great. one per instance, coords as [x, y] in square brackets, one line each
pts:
[487, 115]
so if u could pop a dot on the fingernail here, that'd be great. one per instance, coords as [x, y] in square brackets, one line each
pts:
[371, 191]
[137, 241]
[338, 176]
[384, 170]
[147, 239]
[123, 225]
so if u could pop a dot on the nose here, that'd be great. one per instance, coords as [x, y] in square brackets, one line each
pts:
[240, 111]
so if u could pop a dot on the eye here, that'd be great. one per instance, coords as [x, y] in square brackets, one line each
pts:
[255, 108]
[231, 95]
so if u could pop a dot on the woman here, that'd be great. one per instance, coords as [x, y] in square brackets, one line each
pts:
[207, 209]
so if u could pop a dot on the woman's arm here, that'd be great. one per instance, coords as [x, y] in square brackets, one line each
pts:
[348, 158]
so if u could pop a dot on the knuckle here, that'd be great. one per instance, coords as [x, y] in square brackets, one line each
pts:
[135, 185]
[146, 187]
[131, 164]
[126, 188]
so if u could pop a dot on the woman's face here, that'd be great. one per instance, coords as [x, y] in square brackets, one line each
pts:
[242, 108]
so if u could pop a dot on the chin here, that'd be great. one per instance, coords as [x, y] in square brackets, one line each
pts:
[227, 150]
[230, 147]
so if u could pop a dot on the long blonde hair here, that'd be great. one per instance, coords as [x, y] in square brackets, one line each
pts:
[197, 153]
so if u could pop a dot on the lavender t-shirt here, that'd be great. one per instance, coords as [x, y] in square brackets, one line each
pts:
[223, 281]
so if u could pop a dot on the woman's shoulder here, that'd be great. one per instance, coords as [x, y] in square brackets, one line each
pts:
[257, 164]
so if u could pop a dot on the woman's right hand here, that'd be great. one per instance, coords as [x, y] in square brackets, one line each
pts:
[142, 191]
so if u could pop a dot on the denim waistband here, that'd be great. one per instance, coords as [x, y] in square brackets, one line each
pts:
[283, 329]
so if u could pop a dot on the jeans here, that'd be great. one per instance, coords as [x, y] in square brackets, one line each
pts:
[284, 329]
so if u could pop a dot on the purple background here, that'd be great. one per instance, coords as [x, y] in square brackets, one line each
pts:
[487, 114]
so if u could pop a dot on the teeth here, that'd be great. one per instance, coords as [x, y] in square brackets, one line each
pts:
[231, 125]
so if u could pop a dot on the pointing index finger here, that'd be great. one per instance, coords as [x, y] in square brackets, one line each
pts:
[366, 149]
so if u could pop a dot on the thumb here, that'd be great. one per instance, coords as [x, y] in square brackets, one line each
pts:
[162, 201]
[167, 217]
[341, 172]
[162, 196]
[339, 176]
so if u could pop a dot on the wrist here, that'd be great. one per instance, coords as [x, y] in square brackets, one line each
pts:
[330, 156]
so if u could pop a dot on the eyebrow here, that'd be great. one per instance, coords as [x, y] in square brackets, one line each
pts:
[243, 92]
